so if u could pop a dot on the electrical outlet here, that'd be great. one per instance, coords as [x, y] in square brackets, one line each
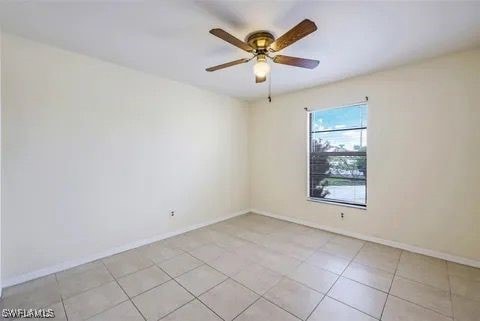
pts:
[342, 215]
[172, 213]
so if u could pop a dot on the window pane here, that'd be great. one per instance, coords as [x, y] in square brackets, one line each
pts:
[353, 167]
[338, 158]
[348, 166]
[341, 141]
[339, 118]
[338, 189]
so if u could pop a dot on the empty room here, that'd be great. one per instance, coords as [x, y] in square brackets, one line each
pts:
[183, 160]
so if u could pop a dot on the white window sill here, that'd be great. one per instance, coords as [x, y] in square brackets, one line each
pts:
[316, 200]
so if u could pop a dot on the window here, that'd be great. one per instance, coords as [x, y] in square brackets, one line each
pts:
[338, 155]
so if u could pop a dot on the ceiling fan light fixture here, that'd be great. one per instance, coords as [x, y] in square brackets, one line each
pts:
[261, 67]
[261, 43]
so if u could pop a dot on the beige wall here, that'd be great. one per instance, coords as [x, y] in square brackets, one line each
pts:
[96, 156]
[1, 170]
[423, 155]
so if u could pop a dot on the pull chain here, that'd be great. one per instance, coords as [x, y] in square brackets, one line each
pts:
[270, 88]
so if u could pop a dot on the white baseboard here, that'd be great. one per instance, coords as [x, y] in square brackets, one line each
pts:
[73, 263]
[403, 246]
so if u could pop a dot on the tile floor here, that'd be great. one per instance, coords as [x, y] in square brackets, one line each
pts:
[255, 268]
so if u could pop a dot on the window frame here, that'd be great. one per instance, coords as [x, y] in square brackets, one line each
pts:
[309, 139]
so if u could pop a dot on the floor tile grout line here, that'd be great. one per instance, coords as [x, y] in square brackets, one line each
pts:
[96, 286]
[323, 298]
[467, 298]
[422, 306]
[86, 290]
[176, 309]
[149, 289]
[366, 285]
[431, 286]
[154, 287]
[308, 286]
[335, 282]
[340, 276]
[422, 283]
[107, 309]
[227, 277]
[316, 306]
[451, 296]
[205, 262]
[435, 288]
[464, 278]
[251, 304]
[130, 273]
[198, 297]
[324, 294]
[101, 284]
[58, 273]
[391, 283]
[388, 295]
[255, 243]
[136, 307]
[181, 274]
[195, 297]
[203, 303]
[274, 303]
[129, 299]
[195, 268]
[245, 286]
[205, 291]
[61, 297]
[114, 279]
[278, 306]
[158, 285]
[111, 307]
[351, 306]
[348, 258]
[352, 260]
[375, 267]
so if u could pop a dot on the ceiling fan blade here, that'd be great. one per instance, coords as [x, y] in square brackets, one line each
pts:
[296, 62]
[228, 64]
[301, 30]
[260, 79]
[222, 34]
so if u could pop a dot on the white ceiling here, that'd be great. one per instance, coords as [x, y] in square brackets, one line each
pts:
[171, 39]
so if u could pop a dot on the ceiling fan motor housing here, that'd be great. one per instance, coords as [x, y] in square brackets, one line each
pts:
[260, 40]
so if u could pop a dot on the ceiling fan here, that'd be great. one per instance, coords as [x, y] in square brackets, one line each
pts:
[262, 43]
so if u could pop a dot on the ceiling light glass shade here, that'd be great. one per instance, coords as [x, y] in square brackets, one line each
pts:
[261, 68]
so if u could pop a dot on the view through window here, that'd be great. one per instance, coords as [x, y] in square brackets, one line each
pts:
[338, 155]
